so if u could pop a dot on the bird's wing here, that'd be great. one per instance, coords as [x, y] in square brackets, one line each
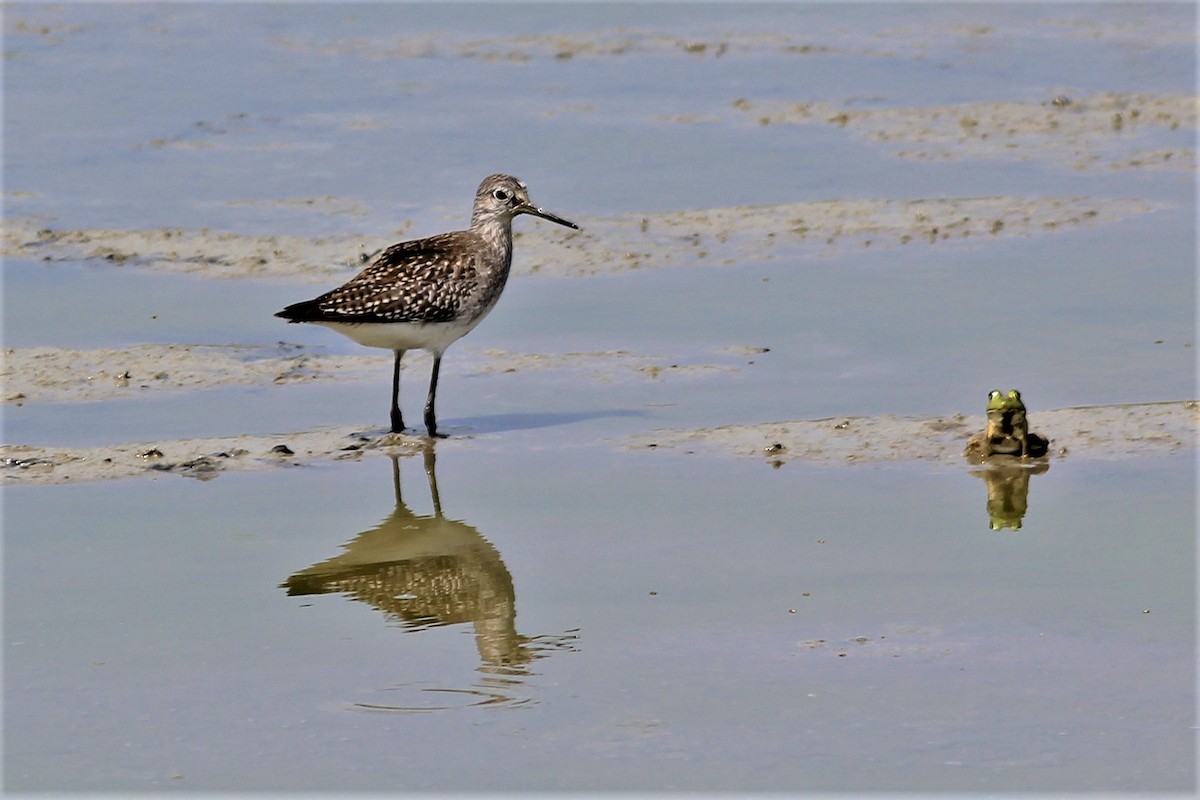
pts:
[426, 280]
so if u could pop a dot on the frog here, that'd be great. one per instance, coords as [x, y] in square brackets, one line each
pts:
[1007, 431]
[1018, 422]
[998, 436]
[997, 405]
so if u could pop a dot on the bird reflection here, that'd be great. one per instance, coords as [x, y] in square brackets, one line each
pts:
[426, 570]
[1008, 491]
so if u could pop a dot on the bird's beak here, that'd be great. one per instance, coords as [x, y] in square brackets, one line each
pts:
[526, 208]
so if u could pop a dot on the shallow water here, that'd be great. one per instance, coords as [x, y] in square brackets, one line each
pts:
[682, 621]
[698, 623]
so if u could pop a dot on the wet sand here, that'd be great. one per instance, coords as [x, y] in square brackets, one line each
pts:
[57, 375]
[893, 43]
[62, 375]
[606, 245]
[1089, 433]
[1110, 130]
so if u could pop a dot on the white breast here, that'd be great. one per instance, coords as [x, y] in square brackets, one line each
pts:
[432, 336]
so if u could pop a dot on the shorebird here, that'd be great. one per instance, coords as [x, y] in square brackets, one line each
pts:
[429, 293]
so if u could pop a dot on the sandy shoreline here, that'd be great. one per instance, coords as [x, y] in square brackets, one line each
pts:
[1108, 130]
[1088, 132]
[902, 41]
[62, 375]
[606, 245]
[55, 374]
[1086, 433]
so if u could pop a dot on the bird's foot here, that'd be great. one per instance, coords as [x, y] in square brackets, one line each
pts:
[431, 424]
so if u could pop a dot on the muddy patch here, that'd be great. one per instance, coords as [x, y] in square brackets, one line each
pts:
[908, 42]
[54, 374]
[1090, 432]
[203, 459]
[558, 47]
[748, 234]
[200, 251]
[62, 375]
[606, 245]
[1102, 131]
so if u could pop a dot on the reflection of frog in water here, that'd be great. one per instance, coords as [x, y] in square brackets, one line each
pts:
[1008, 492]
[1007, 431]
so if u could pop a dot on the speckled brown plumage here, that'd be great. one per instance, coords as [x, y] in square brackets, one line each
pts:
[429, 280]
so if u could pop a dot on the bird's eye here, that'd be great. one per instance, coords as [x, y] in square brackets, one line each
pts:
[502, 195]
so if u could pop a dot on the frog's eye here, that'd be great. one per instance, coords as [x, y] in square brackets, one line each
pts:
[994, 394]
[1014, 395]
[503, 195]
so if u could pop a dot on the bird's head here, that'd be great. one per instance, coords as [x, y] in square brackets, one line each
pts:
[503, 197]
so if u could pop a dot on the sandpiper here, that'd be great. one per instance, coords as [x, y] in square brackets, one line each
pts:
[428, 293]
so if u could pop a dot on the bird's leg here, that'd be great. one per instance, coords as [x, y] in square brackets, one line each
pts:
[430, 414]
[397, 419]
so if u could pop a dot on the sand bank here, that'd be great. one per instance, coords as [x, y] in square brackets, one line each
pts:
[63, 375]
[1094, 432]
[606, 245]
[55, 374]
[1107, 130]
[1085, 432]
[927, 40]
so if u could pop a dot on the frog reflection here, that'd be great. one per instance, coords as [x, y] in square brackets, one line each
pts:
[1008, 492]
[425, 571]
